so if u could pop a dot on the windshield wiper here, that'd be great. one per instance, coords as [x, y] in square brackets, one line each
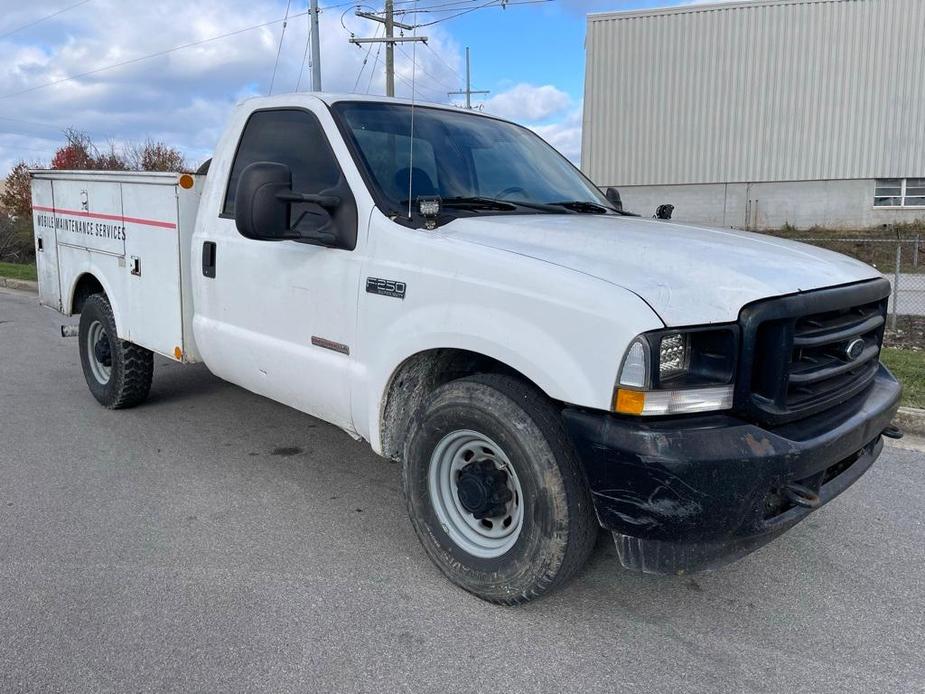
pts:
[479, 202]
[584, 206]
[476, 202]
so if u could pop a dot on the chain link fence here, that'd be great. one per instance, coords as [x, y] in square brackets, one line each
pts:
[902, 262]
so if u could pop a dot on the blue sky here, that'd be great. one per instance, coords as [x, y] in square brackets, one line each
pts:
[530, 56]
[537, 44]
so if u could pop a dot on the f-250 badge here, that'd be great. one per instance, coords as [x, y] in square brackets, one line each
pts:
[392, 288]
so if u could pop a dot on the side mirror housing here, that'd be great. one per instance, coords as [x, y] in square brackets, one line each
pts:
[263, 209]
[664, 211]
[259, 211]
[613, 196]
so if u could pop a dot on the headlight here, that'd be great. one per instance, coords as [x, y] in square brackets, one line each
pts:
[678, 371]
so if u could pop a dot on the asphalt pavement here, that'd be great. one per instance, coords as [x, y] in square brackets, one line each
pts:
[212, 540]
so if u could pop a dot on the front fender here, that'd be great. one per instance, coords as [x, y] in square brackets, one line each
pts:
[570, 356]
[563, 330]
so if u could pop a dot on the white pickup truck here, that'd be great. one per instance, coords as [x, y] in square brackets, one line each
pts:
[448, 287]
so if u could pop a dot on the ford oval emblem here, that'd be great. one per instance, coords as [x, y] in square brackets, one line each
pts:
[855, 349]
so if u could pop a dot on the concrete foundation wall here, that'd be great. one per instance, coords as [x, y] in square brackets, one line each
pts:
[845, 204]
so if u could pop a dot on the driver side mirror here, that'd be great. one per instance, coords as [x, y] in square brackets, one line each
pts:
[263, 210]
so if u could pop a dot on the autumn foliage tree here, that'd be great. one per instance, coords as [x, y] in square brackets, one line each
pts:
[154, 156]
[78, 152]
[16, 216]
[16, 199]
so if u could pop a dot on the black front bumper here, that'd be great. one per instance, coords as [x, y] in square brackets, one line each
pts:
[690, 493]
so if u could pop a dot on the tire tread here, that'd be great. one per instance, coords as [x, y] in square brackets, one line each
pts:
[133, 380]
[582, 525]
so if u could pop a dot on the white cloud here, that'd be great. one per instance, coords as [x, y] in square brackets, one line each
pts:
[183, 97]
[527, 102]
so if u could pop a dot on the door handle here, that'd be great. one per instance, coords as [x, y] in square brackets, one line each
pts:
[208, 258]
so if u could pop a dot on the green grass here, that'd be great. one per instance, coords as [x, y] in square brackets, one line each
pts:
[16, 271]
[909, 368]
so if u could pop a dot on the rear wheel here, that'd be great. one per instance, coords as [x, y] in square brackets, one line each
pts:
[118, 373]
[494, 490]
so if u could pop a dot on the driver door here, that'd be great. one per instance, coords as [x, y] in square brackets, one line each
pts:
[278, 317]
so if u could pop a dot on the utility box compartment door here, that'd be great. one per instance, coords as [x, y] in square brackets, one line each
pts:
[89, 215]
[152, 259]
[46, 244]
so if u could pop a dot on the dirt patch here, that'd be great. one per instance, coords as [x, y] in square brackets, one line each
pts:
[909, 333]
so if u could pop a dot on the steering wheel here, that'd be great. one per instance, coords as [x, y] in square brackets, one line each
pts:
[509, 191]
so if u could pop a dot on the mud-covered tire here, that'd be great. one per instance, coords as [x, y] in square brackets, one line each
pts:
[129, 367]
[557, 528]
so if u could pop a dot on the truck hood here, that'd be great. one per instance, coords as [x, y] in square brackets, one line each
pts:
[689, 275]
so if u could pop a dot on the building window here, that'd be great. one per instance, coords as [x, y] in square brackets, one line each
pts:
[900, 192]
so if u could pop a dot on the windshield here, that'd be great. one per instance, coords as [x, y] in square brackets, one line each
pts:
[459, 156]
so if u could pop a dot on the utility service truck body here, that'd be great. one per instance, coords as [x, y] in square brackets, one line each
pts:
[449, 288]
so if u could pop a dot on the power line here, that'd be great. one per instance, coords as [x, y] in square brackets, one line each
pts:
[43, 124]
[42, 19]
[365, 60]
[147, 57]
[440, 7]
[429, 93]
[372, 73]
[490, 3]
[279, 48]
[440, 58]
[33, 122]
[421, 68]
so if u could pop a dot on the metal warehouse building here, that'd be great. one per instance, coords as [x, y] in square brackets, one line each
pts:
[763, 113]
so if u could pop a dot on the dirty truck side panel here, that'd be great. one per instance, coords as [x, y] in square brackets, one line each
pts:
[568, 341]
[123, 229]
[152, 241]
[279, 317]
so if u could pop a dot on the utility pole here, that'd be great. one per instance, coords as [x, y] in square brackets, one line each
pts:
[390, 40]
[389, 48]
[316, 49]
[469, 91]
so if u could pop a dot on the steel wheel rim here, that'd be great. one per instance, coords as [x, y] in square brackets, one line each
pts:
[477, 537]
[100, 371]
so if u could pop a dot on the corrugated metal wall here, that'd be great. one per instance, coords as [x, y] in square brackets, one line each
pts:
[761, 91]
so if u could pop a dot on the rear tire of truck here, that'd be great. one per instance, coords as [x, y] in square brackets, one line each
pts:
[495, 491]
[118, 373]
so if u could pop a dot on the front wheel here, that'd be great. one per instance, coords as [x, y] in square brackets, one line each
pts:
[118, 373]
[494, 490]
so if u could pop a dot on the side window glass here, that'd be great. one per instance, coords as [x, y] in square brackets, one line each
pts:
[291, 137]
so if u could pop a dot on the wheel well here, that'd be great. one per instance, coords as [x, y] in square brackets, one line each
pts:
[417, 377]
[87, 285]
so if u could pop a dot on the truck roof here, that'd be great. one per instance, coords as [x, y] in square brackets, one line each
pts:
[330, 98]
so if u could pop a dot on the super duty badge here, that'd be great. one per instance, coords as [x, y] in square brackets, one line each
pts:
[393, 288]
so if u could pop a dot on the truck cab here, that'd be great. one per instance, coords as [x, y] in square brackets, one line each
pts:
[446, 286]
